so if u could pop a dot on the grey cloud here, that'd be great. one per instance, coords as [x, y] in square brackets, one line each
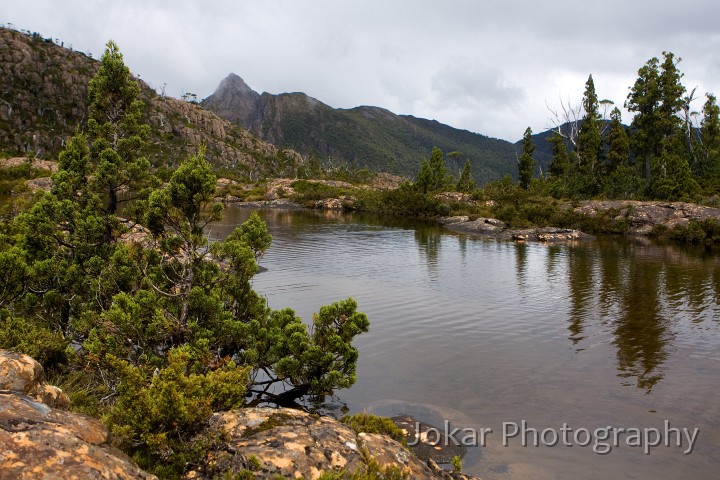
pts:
[483, 66]
[466, 84]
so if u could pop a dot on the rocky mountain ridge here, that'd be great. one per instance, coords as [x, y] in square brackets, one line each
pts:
[364, 136]
[43, 101]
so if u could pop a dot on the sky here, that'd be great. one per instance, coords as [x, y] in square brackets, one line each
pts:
[491, 67]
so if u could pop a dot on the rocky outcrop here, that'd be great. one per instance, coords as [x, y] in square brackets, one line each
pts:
[642, 217]
[279, 203]
[282, 187]
[40, 184]
[38, 439]
[43, 94]
[456, 197]
[386, 181]
[342, 203]
[494, 228]
[293, 444]
[34, 163]
[21, 374]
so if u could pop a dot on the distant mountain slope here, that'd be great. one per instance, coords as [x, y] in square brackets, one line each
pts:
[43, 100]
[364, 136]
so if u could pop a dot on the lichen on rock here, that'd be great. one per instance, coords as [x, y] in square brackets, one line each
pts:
[38, 439]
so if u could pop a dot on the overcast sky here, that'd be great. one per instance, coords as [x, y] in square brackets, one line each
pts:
[488, 67]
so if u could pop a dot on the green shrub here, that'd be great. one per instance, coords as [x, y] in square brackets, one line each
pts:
[697, 232]
[160, 416]
[307, 190]
[457, 463]
[30, 337]
[404, 201]
[365, 422]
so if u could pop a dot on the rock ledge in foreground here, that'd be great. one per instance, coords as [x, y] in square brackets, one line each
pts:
[40, 440]
[293, 444]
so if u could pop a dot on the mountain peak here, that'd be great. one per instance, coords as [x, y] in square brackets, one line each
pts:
[233, 99]
[234, 84]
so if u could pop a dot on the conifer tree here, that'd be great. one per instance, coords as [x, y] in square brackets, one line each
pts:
[589, 143]
[618, 143]
[466, 183]
[708, 161]
[526, 163]
[116, 134]
[658, 137]
[560, 161]
[433, 175]
[644, 100]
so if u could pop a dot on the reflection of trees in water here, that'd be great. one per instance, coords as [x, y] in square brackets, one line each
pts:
[643, 292]
[462, 246]
[521, 254]
[582, 287]
[642, 330]
[554, 254]
[428, 240]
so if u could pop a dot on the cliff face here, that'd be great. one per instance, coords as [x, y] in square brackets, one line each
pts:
[43, 100]
[42, 93]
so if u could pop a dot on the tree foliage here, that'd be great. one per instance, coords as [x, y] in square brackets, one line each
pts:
[663, 154]
[526, 163]
[466, 183]
[433, 175]
[116, 134]
[707, 161]
[589, 145]
[158, 332]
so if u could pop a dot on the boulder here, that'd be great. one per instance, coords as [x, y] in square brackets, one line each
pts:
[479, 226]
[38, 184]
[21, 374]
[39, 440]
[334, 203]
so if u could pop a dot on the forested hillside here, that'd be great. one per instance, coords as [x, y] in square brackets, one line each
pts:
[365, 136]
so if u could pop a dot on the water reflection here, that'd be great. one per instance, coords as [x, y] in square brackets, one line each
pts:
[551, 332]
[581, 287]
[521, 260]
[633, 297]
[428, 240]
[645, 293]
[462, 246]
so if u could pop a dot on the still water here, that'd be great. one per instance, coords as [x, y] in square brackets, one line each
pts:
[488, 334]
